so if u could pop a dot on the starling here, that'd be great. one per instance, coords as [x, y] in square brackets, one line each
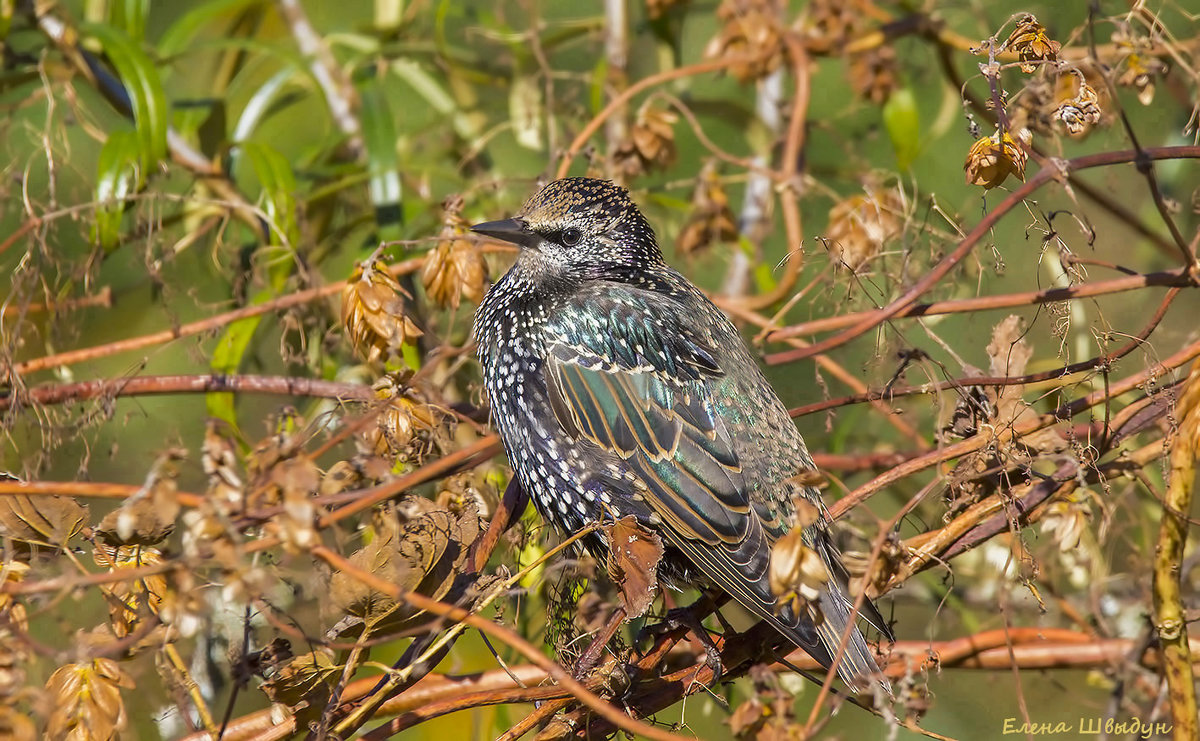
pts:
[619, 388]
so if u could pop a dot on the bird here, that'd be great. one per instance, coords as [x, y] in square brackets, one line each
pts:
[619, 389]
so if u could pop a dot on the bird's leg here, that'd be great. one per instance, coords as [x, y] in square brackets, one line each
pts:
[591, 657]
[690, 617]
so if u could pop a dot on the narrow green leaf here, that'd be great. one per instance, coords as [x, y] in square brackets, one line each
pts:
[6, 16]
[144, 88]
[903, 123]
[130, 16]
[179, 36]
[278, 184]
[118, 176]
[379, 135]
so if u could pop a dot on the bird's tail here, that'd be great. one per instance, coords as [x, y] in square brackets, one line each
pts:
[857, 667]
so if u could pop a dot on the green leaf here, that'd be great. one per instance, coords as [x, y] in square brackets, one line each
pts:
[379, 135]
[278, 184]
[144, 88]
[130, 16]
[903, 123]
[179, 36]
[118, 175]
[6, 16]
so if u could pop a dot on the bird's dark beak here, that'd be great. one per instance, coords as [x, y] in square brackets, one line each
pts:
[513, 230]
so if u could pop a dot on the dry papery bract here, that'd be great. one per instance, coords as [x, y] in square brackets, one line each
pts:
[455, 267]
[374, 312]
[750, 28]
[650, 145]
[996, 411]
[993, 158]
[862, 224]
[711, 220]
[1032, 43]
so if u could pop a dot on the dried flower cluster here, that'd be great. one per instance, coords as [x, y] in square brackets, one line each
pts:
[373, 312]
[751, 29]
[711, 220]
[650, 145]
[455, 268]
[860, 226]
[993, 158]
[1032, 43]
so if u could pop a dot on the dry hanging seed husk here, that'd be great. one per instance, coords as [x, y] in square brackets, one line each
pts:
[861, 225]
[455, 267]
[873, 74]
[651, 142]
[989, 162]
[1031, 43]
[373, 312]
[1078, 106]
[750, 28]
[712, 219]
[87, 703]
[797, 575]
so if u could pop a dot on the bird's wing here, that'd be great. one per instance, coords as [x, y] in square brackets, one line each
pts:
[652, 405]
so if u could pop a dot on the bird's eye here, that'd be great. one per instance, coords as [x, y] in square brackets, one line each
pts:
[571, 236]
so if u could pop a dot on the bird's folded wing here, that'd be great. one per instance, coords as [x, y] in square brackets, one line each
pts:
[689, 474]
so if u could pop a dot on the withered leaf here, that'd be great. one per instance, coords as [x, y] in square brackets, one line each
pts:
[42, 520]
[305, 681]
[423, 554]
[633, 559]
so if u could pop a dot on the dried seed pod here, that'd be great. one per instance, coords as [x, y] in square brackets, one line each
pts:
[86, 701]
[651, 142]
[130, 600]
[455, 267]
[831, 23]
[406, 429]
[218, 458]
[797, 575]
[861, 225]
[1078, 107]
[749, 28]
[873, 74]
[1031, 43]
[1067, 519]
[711, 220]
[148, 516]
[990, 162]
[373, 312]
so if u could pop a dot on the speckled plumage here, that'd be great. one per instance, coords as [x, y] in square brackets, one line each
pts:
[619, 389]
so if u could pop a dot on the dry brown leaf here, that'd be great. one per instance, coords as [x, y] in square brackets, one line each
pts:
[306, 681]
[41, 520]
[424, 554]
[633, 558]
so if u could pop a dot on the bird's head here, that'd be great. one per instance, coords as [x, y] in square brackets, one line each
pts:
[584, 225]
